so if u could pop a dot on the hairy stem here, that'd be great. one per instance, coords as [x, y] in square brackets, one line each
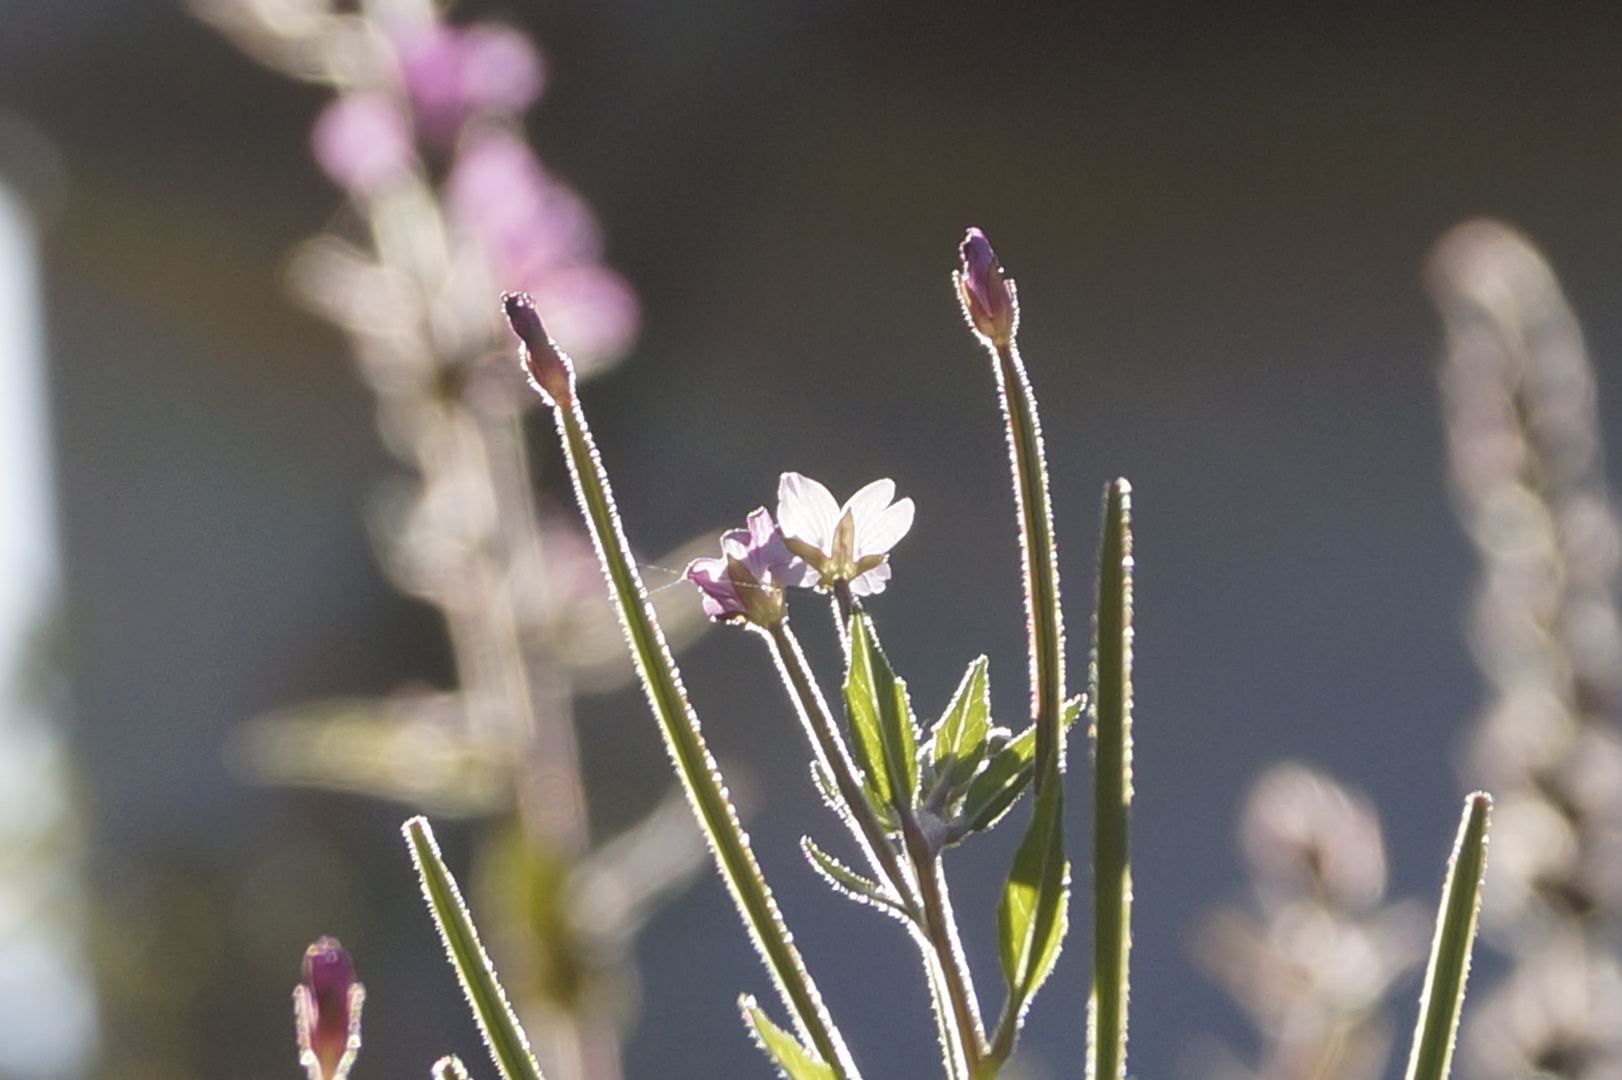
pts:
[685, 742]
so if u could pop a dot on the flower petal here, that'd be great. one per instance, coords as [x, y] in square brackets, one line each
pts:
[870, 501]
[806, 510]
[872, 582]
[715, 586]
[878, 533]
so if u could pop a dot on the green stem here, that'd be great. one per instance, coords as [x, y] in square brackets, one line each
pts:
[684, 741]
[942, 948]
[1039, 556]
[923, 892]
[509, 1046]
[834, 756]
[1442, 999]
[1112, 792]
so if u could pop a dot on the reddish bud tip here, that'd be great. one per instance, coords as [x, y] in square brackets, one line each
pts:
[986, 295]
[326, 1006]
[549, 368]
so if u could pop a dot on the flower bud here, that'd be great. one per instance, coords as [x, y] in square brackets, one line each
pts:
[326, 1011]
[549, 368]
[988, 299]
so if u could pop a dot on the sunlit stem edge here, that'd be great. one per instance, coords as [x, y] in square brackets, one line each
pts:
[923, 890]
[1038, 554]
[1442, 999]
[509, 1046]
[661, 681]
[1111, 697]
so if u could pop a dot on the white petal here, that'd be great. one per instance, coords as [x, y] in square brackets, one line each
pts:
[871, 582]
[806, 510]
[879, 533]
[870, 501]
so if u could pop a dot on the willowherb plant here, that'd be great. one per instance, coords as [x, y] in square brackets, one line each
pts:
[907, 791]
[1528, 477]
[444, 197]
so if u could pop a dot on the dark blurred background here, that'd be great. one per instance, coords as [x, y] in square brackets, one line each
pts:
[1218, 216]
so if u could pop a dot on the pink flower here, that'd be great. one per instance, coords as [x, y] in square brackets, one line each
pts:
[849, 543]
[326, 1008]
[363, 142]
[746, 583]
[540, 238]
[455, 73]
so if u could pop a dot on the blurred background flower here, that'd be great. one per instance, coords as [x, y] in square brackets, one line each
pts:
[1218, 218]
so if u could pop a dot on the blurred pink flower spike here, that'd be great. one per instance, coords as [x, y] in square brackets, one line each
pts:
[746, 582]
[455, 73]
[989, 301]
[547, 366]
[540, 237]
[849, 543]
[363, 142]
[326, 1010]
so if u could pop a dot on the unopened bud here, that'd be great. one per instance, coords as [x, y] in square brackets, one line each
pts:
[549, 368]
[988, 298]
[326, 1010]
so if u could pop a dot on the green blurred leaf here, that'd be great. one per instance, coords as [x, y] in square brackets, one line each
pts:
[880, 718]
[1442, 999]
[959, 739]
[505, 1038]
[849, 882]
[793, 1060]
[1033, 913]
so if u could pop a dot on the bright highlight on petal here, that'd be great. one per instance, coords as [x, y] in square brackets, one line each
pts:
[849, 543]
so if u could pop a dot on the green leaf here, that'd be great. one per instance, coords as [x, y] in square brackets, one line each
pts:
[850, 883]
[1006, 775]
[1112, 791]
[1033, 914]
[959, 739]
[1000, 783]
[505, 1038]
[1442, 999]
[793, 1060]
[880, 718]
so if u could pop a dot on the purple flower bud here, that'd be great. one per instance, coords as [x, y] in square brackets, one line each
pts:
[326, 1010]
[988, 298]
[548, 367]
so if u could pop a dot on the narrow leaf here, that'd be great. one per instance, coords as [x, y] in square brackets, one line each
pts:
[793, 1060]
[881, 713]
[862, 713]
[1112, 792]
[505, 1038]
[959, 739]
[1442, 998]
[1033, 913]
[1007, 774]
[1000, 783]
[849, 882]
